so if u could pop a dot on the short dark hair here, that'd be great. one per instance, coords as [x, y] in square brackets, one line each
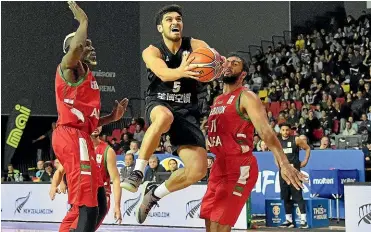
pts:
[130, 154]
[244, 62]
[166, 9]
[285, 124]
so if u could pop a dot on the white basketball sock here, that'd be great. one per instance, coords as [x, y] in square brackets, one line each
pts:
[140, 165]
[161, 191]
[289, 217]
[303, 217]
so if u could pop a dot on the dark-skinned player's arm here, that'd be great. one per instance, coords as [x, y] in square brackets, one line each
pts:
[115, 177]
[302, 144]
[118, 111]
[77, 43]
[253, 107]
[57, 178]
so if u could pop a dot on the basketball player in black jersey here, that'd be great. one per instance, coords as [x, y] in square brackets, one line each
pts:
[291, 146]
[171, 106]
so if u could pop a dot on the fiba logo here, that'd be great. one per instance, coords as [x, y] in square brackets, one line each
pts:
[20, 123]
[365, 214]
[276, 210]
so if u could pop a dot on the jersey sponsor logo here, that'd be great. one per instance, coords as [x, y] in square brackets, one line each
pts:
[287, 150]
[20, 123]
[94, 85]
[99, 159]
[175, 97]
[323, 181]
[218, 110]
[107, 88]
[214, 141]
[288, 144]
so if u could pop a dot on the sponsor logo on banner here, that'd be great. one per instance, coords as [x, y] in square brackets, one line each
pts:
[364, 212]
[21, 209]
[348, 180]
[323, 181]
[192, 208]
[104, 79]
[129, 206]
[268, 177]
[319, 213]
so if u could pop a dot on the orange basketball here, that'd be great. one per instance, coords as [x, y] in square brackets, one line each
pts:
[209, 61]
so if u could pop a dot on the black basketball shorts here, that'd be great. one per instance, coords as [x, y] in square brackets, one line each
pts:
[185, 129]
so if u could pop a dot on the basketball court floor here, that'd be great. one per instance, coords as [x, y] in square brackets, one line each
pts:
[53, 227]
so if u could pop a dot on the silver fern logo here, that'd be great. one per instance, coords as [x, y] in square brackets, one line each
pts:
[20, 202]
[129, 206]
[364, 212]
[192, 208]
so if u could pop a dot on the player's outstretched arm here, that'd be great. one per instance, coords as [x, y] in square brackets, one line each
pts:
[301, 143]
[153, 59]
[114, 174]
[251, 104]
[77, 43]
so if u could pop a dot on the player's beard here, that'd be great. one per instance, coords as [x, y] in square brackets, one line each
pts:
[230, 79]
[173, 39]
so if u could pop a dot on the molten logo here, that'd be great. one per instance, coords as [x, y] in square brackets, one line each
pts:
[323, 181]
[20, 123]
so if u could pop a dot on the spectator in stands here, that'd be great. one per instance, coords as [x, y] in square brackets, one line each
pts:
[115, 145]
[139, 133]
[300, 43]
[11, 174]
[210, 162]
[134, 147]
[47, 176]
[358, 105]
[154, 167]
[125, 142]
[354, 125]
[40, 167]
[348, 129]
[325, 123]
[129, 166]
[263, 146]
[293, 118]
[173, 165]
[365, 123]
[133, 126]
[325, 143]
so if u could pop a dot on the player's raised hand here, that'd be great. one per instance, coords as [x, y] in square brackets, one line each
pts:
[119, 109]
[186, 68]
[293, 176]
[78, 13]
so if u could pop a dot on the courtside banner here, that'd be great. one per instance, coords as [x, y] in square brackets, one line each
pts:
[31, 202]
[16, 124]
[268, 186]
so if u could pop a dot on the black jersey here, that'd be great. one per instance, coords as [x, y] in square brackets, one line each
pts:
[290, 149]
[181, 92]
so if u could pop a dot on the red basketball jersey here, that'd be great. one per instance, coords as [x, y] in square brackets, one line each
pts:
[230, 133]
[101, 158]
[78, 104]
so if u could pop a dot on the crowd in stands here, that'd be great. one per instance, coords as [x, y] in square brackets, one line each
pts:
[319, 84]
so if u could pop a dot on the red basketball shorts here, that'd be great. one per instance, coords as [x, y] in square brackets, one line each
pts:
[75, 151]
[230, 184]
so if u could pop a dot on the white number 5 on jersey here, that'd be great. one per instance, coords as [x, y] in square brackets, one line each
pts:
[176, 87]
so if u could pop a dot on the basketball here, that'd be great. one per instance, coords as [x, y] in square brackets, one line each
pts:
[210, 62]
